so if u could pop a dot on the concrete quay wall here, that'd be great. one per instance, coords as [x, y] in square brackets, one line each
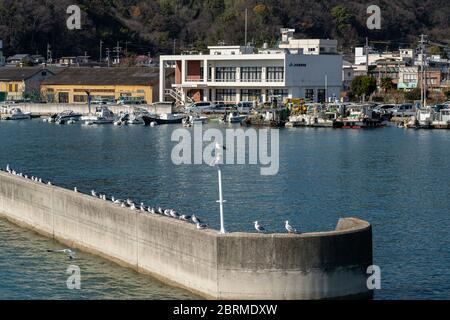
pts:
[320, 265]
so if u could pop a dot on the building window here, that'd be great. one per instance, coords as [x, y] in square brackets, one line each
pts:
[408, 78]
[226, 95]
[79, 98]
[13, 87]
[251, 95]
[309, 95]
[275, 74]
[63, 97]
[321, 95]
[280, 94]
[251, 74]
[226, 74]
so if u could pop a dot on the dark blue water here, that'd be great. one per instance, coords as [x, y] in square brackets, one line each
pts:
[396, 179]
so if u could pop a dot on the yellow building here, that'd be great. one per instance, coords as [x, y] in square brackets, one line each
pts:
[22, 83]
[73, 85]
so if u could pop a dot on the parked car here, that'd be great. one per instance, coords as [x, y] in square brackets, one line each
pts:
[404, 110]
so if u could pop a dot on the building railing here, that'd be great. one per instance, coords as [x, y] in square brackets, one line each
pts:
[246, 80]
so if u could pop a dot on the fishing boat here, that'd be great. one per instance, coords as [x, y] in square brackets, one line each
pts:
[103, 116]
[235, 117]
[65, 116]
[169, 118]
[17, 114]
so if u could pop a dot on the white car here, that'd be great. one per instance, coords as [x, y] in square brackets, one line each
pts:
[199, 106]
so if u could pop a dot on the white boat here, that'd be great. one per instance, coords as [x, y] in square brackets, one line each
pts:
[235, 117]
[191, 120]
[103, 116]
[17, 114]
[170, 118]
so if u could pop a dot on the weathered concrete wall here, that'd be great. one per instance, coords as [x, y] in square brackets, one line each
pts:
[231, 266]
[52, 108]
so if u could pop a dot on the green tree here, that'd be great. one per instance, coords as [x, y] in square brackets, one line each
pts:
[386, 84]
[438, 51]
[363, 86]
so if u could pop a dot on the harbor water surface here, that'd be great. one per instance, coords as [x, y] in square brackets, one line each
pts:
[396, 179]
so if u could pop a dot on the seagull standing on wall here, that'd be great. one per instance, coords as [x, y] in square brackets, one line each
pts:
[8, 169]
[201, 226]
[93, 193]
[289, 228]
[75, 189]
[196, 220]
[259, 227]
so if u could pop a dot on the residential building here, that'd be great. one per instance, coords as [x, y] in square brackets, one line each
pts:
[237, 73]
[406, 56]
[73, 84]
[73, 61]
[21, 59]
[411, 78]
[22, 83]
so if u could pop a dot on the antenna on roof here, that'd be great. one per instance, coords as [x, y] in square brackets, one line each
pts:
[246, 25]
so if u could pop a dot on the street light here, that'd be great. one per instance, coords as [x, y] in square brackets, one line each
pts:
[217, 162]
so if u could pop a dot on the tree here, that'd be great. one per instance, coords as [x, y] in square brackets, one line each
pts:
[438, 51]
[363, 86]
[413, 95]
[386, 84]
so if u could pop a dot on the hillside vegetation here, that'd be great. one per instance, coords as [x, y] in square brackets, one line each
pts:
[153, 25]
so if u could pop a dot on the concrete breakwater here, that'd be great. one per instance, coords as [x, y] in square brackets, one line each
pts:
[231, 266]
[45, 109]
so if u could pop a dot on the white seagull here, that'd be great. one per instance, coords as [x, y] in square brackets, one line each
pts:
[289, 228]
[75, 189]
[93, 193]
[259, 227]
[8, 169]
[142, 206]
[133, 206]
[201, 226]
[49, 183]
[174, 214]
[196, 220]
[160, 211]
[70, 253]
[185, 217]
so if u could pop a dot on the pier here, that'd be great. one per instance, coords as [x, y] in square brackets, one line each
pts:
[322, 265]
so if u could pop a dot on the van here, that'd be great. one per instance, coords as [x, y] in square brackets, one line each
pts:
[199, 106]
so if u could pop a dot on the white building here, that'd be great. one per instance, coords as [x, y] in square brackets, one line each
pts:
[236, 73]
[403, 55]
[306, 46]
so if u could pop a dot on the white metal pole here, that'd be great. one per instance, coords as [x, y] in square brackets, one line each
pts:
[222, 226]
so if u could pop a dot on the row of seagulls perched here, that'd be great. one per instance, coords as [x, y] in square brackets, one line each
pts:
[20, 174]
[259, 228]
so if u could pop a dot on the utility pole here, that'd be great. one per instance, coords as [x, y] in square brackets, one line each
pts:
[246, 25]
[366, 49]
[174, 46]
[49, 54]
[117, 50]
[423, 71]
[100, 56]
[108, 55]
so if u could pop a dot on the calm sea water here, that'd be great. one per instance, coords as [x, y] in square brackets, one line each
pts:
[396, 179]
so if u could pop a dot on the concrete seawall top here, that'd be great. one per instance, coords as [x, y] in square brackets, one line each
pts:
[237, 265]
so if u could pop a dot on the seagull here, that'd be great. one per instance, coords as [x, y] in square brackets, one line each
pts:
[196, 220]
[14, 172]
[185, 217]
[150, 210]
[26, 177]
[201, 226]
[133, 206]
[174, 214]
[142, 206]
[167, 213]
[93, 193]
[49, 183]
[8, 169]
[118, 201]
[160, 211]
[40, 180]
[123, 205]
[259, 227]
[289, 228]
[75, 189]
[129, 202]
[70, 253]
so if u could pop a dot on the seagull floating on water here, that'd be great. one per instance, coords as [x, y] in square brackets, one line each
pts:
[70, 253]
[289, 228]
[259, 227]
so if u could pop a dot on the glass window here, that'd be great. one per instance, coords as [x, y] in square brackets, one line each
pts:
[226, 74]
[251, 95]
[279, 93]
[275, 74]
[321, 95]
[79, 98]
[251, 74]
[309, 95]
[226, 95]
